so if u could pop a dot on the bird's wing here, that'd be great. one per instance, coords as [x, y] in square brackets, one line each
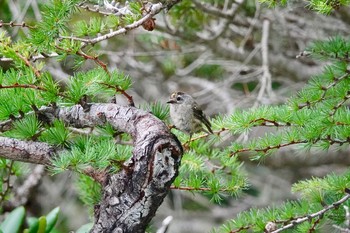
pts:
[199, 114]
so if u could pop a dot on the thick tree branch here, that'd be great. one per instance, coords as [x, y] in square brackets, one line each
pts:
[26, 151]
[132, 196]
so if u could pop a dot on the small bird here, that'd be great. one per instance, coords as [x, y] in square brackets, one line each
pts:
[186, 115]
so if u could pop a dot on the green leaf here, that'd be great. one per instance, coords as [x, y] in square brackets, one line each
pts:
[85, 228]
[52, 219]
[33, 224]
[14, 221]
[42, 224]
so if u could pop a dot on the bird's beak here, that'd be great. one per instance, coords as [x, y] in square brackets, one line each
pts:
[171, 101]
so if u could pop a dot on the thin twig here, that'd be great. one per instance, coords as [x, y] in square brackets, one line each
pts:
[165, 225]
[267, 122]
[336, 107]
[204, 136]
[27, 62]
[341, 229]
[12, 24]
[16, 85]
[22, 193]
[123, 92]
[265, 80]
[96, 9]
[154, 9]
[6, 181]
[31, 86]
[222, 13]
[186, 188]
[248, 34]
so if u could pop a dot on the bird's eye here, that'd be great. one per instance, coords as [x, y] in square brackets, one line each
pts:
[178, 98]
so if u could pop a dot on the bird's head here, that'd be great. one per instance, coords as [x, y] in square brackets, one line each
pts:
[180, 98]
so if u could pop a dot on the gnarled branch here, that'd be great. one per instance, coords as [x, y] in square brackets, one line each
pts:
[131, 196]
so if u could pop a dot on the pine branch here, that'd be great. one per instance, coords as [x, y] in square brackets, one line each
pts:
[30, 86]
[154, 9]
[341, 103]
[325, 90]
[268, 148]
[105, 68]
[278, 146]
[86, 57]
[318, 214]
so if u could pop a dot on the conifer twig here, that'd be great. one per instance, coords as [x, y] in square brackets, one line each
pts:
[30, 86]
[16, 85]
[187, 188]
[123, 92]
[207, 134]
[278, 146]
[13, 24]
[266, 149]
[272, 122]
[325, 89]
[104, 67]
[341, 103]
[318, 214]
[154, 9]
[27, 62]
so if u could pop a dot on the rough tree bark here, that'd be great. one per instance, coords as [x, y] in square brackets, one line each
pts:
[132, 196]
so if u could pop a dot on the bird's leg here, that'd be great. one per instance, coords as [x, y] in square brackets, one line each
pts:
[171, 127]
